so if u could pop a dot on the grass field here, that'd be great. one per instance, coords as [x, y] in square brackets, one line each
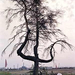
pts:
[67, 74]
[25, 72]
[5, 73]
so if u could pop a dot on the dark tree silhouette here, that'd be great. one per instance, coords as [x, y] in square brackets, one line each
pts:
[38, 25]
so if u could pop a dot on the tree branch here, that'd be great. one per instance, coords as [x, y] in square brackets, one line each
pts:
[19, 51]
[46, 61]
[32, 58]
[52, 46]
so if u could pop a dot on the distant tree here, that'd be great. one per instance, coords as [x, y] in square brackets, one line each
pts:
[38, 25]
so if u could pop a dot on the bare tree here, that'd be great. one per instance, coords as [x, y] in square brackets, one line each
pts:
[38, 25]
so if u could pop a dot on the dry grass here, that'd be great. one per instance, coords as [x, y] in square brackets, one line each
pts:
[18, 72]
[25, 72]
[63, 71]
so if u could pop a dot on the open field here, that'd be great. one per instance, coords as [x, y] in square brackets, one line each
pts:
[67, 71]
[25, 72]
[5, 73]
[19, 72]
[14, 72]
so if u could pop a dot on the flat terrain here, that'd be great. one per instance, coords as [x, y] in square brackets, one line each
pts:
[25, 72]
[4, 73]
[18, 72]
[67, 71]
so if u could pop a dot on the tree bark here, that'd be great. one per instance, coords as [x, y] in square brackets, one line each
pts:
[36, 62]
[35, 70]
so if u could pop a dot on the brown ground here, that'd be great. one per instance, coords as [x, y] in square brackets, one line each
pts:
[67, 71]
[18, 72]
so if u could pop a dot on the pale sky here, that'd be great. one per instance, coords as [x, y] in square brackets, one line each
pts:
[66, 24]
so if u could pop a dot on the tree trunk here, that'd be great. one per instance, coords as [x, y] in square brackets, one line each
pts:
[35, 71]
[36, 62]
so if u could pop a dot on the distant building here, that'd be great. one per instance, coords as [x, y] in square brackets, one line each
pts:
[23, 68]
[48, 67]
[2, 69]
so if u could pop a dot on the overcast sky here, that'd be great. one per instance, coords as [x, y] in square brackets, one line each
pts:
[66, 24]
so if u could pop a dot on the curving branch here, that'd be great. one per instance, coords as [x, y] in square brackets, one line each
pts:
[19, 51]
[51, 48]
[45, 61]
